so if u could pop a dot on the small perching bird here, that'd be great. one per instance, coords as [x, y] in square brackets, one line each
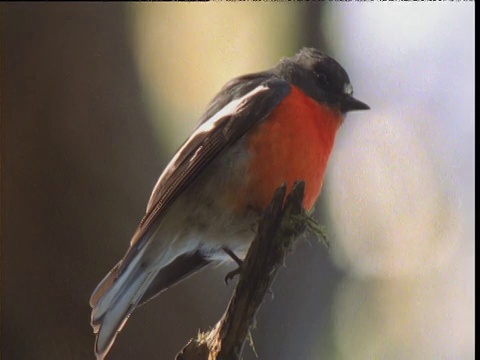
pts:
[259, 131]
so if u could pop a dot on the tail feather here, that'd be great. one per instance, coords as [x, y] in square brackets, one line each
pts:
[113, 315]
[119, 293]
[115, 306]
[104, 285]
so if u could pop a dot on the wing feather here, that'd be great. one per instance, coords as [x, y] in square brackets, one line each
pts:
[230, 117]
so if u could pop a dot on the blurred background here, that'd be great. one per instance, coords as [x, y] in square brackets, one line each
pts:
[95, 99]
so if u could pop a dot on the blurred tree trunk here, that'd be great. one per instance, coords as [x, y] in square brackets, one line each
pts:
[76, 173]
[311, 19]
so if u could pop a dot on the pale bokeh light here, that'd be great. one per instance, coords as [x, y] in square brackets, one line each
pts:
[416, 318]
[187, 52]
[401, 182]
[391, 213]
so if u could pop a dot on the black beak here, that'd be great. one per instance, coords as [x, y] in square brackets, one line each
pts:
[349, 103]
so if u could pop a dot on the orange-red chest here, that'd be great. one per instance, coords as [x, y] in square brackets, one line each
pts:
[294, 143]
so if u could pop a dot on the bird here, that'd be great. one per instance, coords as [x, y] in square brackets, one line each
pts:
[260, 131]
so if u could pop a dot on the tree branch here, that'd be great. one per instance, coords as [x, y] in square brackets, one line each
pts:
[282, 222]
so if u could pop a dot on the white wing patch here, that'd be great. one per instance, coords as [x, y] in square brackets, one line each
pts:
[233, 107]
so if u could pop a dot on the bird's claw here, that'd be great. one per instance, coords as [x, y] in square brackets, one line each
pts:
[232, 274]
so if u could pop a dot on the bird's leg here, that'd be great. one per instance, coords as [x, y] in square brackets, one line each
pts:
[233, 256]
[239, 269]
[239, 262]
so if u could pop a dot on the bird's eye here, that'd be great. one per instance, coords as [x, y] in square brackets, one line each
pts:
[322, 79]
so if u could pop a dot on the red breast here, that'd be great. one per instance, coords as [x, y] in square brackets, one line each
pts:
[294, 143]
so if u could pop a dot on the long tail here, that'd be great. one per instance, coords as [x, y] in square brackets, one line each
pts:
[114, 300]
[120, 292]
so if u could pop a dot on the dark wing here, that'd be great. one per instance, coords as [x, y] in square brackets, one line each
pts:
[242, 103]
[179, 269]
[234, 89]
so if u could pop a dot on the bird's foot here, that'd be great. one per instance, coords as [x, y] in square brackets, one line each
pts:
[239, 262]
[232, 274]
[233, 256]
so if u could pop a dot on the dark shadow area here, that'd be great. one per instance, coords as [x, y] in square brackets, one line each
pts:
[76, 171]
